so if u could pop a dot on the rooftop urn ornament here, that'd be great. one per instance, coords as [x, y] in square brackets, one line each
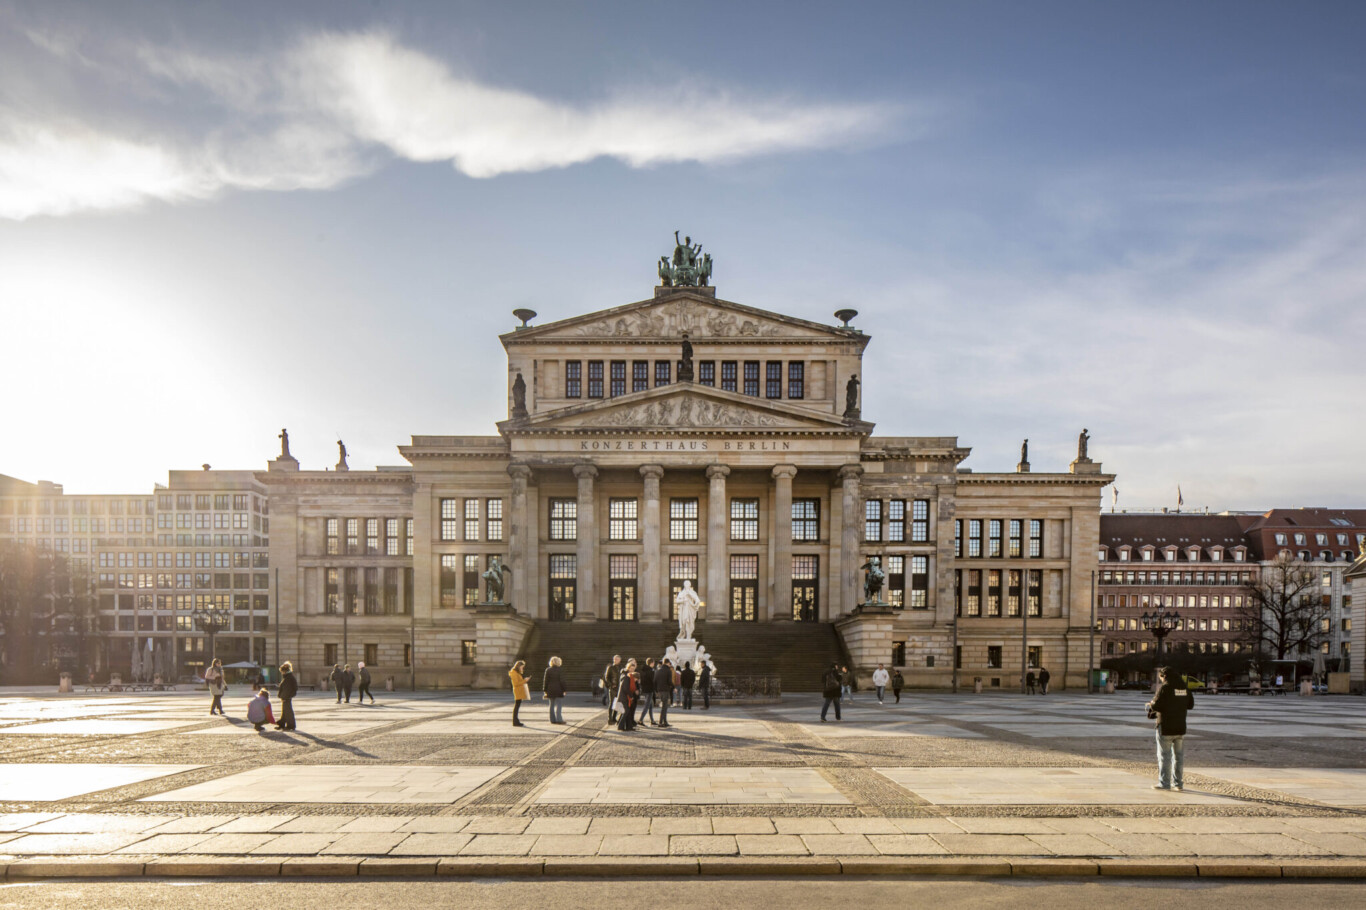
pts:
[685, 365]
[844, 316]
[341, 456]
[689, 267]
[519, 411]
[525, 315]
[851, 408]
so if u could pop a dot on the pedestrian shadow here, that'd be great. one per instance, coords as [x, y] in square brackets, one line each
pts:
[335, 744]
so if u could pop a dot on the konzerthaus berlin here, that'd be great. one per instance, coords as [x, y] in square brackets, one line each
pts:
[684, 438]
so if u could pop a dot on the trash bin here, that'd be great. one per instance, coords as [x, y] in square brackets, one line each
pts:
[977, 685]
[388, 684]
[1306, 687]
[64, 683]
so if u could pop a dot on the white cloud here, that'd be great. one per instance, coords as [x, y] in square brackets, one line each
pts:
[317, 113]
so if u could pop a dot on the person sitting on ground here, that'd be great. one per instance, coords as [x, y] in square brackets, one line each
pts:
[259, 712]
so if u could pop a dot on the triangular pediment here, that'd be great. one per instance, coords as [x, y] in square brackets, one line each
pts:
[684, 406]
[702, 316]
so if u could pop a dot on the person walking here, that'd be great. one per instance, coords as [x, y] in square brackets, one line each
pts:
[364, 679]
[1029, 682]
[704, 686]
[611, 681]
[846, 685]
[348, 680]
[258, 711]
[289, 687]
[1169, 709]
[520, 690]
[880, 679]
[664, 678]
[898, 683]
[647, 691]
[217, 686]
[832, 687]
[1044, 677]
[552, 685]
[335, 678]
[677, 682]
[687, 676]
[628, 690]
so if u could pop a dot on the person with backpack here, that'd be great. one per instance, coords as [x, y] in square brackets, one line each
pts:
[1169, 708]
[898, 683]
[832, 686]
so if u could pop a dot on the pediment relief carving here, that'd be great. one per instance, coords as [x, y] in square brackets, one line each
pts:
[685, 411]
[673, 318]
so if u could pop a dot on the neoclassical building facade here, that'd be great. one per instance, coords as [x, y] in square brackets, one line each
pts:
[684, 438]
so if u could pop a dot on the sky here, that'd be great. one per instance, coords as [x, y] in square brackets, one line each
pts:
[1148, 220]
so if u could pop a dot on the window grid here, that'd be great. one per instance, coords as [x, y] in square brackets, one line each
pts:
[706, 372]
[352, 535]
[662, 371]
[975, 538]
[1016, 530]
[564, 523]
[621, 567]
[872, 520]
[595, 379]
[994, 538]
[796, 379]
[493, 519]
[471, 519]
[896, 520]
[622, 519]
[806, 519]
[683, 519]
[640, 376]
[1035, 538]
[744, 568]
[372, 536]
[920, 583]
[752, 378]
[896, 581]
[805, 568]
[773, 379]
[618, 377]
[331, 530]
[744, 519]
[920, 521]
[573, 377]
[728, 375]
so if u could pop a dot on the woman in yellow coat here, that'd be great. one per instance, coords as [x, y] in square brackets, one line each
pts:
[520, 690]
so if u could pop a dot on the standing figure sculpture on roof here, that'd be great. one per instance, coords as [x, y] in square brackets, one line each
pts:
[685, 365]
[851, 408]
[1082, 441]
[519, 397]
[284, 446]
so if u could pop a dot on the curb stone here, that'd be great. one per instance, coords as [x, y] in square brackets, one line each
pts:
[210, 868]
[68, 868]
[490, 867]
[1149, 868]
[1239, 870]
[1073, 867]
[329, 868]
[621, 866]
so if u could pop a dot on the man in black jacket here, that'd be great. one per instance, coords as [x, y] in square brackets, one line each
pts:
[336, 680]
[647, 692]
[364, 682]
[289, 687]
[611, 678]
[704, 686]
[1169, 709]
[348, 680]
[664, 683]
[688, 676]
[832, 684]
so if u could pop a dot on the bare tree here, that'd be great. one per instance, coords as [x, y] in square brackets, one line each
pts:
[1285, 609]
[43, 614]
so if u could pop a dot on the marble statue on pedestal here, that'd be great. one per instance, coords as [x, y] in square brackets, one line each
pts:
[686, 604]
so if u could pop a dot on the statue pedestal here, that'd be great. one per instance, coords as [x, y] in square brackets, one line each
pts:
[686, 649]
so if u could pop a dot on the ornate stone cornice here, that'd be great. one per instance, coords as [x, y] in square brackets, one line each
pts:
[1074, 480]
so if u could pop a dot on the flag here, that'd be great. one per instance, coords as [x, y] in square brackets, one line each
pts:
[1114, 496]
[1179, 501]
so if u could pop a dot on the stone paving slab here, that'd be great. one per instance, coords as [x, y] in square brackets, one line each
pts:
[48, 782]
[700, 786]
[1333, 786]
[1041, 786]
[337, 784]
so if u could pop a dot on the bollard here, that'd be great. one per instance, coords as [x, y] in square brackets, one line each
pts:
[977, 685]
[64, 683]
[1306, 687]
[388, 684]
[1109, 687]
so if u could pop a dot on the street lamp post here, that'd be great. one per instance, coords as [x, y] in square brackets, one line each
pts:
[211, 621]
[1161, 624]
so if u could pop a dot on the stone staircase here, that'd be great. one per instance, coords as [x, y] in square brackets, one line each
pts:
[798, 652]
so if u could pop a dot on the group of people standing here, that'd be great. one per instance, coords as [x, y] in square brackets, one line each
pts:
[553, 690]
[631, 688]
[343, 679]
[1040, 681]
[259, 710]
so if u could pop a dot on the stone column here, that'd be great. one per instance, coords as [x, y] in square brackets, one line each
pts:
[517, 542]
[650, 608]
[587, 542]
[426, 572]
[781, 605]
[849, 544]
[718, 570]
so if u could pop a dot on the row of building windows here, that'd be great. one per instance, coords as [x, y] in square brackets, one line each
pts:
[80, 525]
[1170, 601]
[896, 513]
[1320, 538]
[1324, 556]
[460, 519]
[1189, 623]
[369, 591]
[370, 654]
[1003, 588]
[1013, 545]
[1116, 648]
[1108, 577]
[371, 536]
[1146, 554]
[63, 506]
[184, 603]
[614, 382]
[182, 560]
[226, 580]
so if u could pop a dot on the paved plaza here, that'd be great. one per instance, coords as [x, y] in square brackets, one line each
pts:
[442, 779]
